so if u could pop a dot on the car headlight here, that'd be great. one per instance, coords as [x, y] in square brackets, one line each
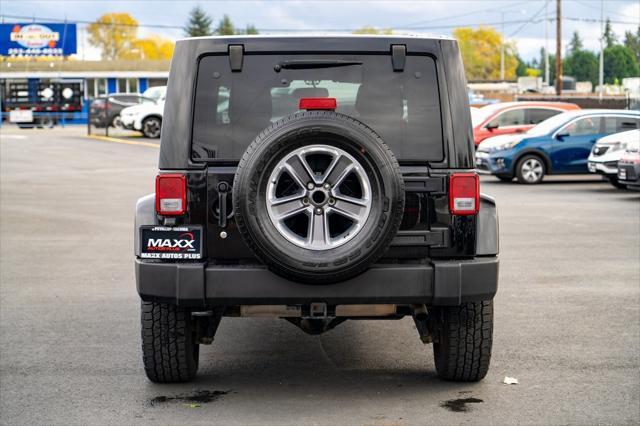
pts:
[505, 146]
[618, 146]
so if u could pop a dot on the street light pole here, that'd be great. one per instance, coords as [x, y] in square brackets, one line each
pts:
[546, 42]
[558, 47]
[601, 71]
[502, 51]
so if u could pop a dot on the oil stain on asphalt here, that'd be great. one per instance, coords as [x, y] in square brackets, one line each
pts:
[198, 397]
[460, 405]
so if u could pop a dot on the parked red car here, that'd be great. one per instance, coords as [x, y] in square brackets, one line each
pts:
[513, 117]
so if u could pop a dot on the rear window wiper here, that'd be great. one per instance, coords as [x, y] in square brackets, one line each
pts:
[314, 63]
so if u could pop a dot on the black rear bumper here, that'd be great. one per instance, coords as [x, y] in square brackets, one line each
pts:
[444, 283]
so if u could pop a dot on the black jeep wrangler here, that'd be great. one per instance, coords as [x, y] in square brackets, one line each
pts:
[316, 179]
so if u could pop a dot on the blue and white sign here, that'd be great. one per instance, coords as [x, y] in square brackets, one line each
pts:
[31, 39]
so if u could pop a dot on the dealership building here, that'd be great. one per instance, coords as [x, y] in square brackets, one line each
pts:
[38, 56]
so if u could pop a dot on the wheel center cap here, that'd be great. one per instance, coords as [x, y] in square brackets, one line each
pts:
[319, 197]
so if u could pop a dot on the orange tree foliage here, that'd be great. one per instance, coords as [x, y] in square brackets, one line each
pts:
[480, 51]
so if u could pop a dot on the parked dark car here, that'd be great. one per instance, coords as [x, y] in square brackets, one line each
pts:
[353, 196]
[105, 110]
[558, 145]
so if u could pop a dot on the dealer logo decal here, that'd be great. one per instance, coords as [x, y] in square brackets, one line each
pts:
[184, 242]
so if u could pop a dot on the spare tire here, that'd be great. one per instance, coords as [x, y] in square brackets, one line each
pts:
[318, 197]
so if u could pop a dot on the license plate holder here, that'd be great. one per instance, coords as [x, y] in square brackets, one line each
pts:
[171, 242]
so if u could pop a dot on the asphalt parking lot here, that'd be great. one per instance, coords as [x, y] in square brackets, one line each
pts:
[567, 319]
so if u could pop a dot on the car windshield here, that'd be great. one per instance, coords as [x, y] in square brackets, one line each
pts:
[483, 113]
[550, 124]
[155, 93]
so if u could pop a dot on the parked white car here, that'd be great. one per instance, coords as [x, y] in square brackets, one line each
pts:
[147, 116]
[606, 153]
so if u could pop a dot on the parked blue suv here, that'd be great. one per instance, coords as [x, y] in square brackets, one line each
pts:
[559, 145]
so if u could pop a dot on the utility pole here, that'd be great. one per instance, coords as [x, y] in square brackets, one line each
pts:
[546, 42]
[558, 47]
[502, 51]
[601, 72]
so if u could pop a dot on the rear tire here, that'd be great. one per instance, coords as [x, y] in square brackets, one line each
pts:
[169, 350]
[530, 170]
[464, 335]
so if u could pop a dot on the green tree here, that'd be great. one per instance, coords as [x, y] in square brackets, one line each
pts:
[632, 41]
[373, 30]
[521, 69]
[251, 30]
[575, 45]
[619, 63]
[225, 26]
[583, 65]
[199, 23]
[552, 65]
[610, 38]
[114, 34]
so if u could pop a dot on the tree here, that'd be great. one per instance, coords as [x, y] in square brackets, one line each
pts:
[199, 23]
[632, 41]
[225, 26]
[373, 30]
[152, 48]
[480, 51]
[113, 33]
[251, 30]
[521, 69]
[584, 65]
[619, 63]
[552, 65]
[609, 36]
[575, 45]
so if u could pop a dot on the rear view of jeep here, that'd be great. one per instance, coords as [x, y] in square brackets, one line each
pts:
[316, 180]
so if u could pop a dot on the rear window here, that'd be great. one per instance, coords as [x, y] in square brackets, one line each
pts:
[231, 108]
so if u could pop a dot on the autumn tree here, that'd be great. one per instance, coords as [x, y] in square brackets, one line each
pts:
[373, 30]
[113, 33]
[152, 48]
[199, 23]
[480, 51]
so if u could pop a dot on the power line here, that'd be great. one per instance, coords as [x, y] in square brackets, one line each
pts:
[535, 15]
[585, 4]
[461, 15]
[297, 30]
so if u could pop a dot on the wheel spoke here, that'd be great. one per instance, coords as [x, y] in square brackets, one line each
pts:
[285, 207]
[318, 230]
[299, 170]
[352, 208]
[340, 169]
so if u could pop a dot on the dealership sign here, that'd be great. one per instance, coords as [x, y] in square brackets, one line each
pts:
[38, 39]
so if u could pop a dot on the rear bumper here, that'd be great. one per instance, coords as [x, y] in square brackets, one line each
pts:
[439, 283]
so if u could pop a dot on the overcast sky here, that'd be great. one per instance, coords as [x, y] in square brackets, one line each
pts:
[524, 19]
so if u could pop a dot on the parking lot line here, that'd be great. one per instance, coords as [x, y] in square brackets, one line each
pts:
[123, 141]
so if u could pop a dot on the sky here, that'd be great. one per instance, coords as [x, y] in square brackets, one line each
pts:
[524, 20]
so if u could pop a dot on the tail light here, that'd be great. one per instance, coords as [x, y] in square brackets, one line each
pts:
[171, 194]
[464, 194]
[318, 103]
